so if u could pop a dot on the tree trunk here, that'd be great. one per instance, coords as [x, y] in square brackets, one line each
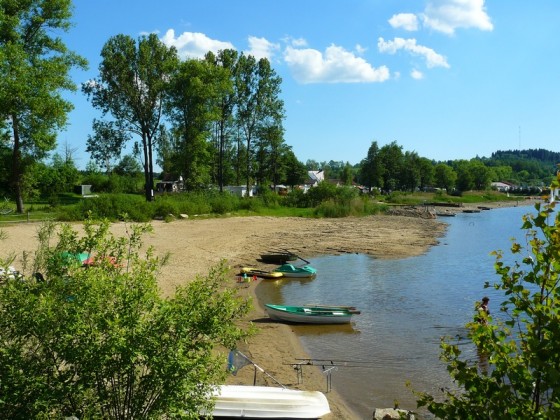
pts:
[147, 185]
[17, 175]
[150, 188]
[248, 165]
[221, 151]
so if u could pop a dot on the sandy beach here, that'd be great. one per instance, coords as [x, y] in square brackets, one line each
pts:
[195, 245]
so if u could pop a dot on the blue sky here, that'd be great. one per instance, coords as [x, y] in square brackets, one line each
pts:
[448, 79]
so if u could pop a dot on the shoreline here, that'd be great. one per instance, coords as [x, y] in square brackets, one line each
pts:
[197, 245]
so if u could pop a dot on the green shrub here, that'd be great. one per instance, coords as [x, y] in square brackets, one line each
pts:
[113, 206]
[163, 208]
[269, 198]
[223, 203]
[322, 192]
[331, 208]
[296, 198]
[252, 204]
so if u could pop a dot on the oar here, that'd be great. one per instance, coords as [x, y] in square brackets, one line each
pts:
[290, 252]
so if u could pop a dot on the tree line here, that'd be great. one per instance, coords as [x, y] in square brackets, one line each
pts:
[388, 168]
[216, 120]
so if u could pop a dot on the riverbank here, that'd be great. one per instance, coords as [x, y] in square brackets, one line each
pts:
[196, 245]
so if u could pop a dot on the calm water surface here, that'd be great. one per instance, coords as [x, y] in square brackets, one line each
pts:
[406, 304]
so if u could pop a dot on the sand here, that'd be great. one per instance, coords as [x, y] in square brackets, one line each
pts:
[197, 244]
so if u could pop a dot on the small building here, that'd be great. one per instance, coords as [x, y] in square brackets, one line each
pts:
[83, 190]
[240, 190]
[502, 186]
[168, 186]
[314, 178]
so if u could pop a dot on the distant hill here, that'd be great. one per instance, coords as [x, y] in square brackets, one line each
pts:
[542, 155]
[527, 165]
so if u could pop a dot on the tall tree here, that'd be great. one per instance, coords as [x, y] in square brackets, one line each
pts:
[193, 106]
[465, 178]
[132, 86]
[271, 150]
[105, 146]
[226, 100]
[258, 91]
[410, 173]
[347, 174]
[391, 156]
[482, 177]
[296, 171]
[427, 168]
[371, 168]
[445, 177]
[35, 65]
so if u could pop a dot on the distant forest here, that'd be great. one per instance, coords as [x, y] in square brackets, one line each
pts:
[389, 167]
[540, 164]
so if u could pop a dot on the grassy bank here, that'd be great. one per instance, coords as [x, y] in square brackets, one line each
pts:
[327, 201]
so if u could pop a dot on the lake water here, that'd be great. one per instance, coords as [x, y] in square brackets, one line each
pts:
[406, 306]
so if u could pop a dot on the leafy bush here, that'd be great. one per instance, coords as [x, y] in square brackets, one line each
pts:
[99, 182]
[331, 208]
[224, 203]
[163, 208]
[114, 206]
[296, 198]
[269, 198]
[325, 191]
[358, 206]
[252, 204]
[96, 342]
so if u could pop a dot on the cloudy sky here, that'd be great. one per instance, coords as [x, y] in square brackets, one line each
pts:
[448, 79]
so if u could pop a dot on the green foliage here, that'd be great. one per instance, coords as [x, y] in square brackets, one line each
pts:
[101, 342]
[323, 192]
[112, 206]
[163, 208]
[35, 66]
[522, 376]
[224, 203]
[252, 204]
[269, 198]
[296, 198]
[132, 87]
[51, 180]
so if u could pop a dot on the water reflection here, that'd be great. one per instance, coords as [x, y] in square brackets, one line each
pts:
[330, 330]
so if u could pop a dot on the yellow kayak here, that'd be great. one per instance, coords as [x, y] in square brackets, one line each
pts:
[250, 271]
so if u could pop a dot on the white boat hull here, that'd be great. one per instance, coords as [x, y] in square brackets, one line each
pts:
[337, 317]
[269, 403]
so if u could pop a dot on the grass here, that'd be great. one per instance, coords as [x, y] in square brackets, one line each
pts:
[71, 207]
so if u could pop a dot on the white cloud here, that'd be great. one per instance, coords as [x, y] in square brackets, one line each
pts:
[336, 65]
[406, 21]
[448, 15]
[194, 44]
[296, 42]
[416, 74]
[261, 48]
[432, 58]
[360, 50]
